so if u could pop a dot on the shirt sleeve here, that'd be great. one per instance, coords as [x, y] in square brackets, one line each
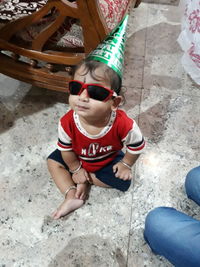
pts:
[64, 141]
[134, 140]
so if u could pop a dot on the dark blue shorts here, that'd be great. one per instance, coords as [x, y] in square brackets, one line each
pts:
[105, 175]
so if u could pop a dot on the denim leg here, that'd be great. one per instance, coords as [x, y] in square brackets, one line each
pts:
[192, 185]
[174, 235]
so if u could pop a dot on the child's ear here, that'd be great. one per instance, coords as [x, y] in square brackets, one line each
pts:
[116, 101]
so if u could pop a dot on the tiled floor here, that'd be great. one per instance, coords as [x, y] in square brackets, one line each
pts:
[108, 230]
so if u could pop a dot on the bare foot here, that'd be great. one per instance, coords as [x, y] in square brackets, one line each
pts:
[82, 191]
[66, 207]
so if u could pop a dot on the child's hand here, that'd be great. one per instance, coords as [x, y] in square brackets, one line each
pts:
[122, 172]
[80, 177]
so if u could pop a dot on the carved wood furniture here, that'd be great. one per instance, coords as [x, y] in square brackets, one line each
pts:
[41, 48]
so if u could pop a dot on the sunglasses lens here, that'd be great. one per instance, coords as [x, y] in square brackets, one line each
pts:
[94, 91]
[74, 87]
[98, 92]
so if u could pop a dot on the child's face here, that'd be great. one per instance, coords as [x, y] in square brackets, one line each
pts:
[84, 105]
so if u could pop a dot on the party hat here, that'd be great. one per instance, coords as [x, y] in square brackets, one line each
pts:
[111, 50]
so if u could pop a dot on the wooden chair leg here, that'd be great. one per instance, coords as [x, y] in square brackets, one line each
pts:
[137, 3]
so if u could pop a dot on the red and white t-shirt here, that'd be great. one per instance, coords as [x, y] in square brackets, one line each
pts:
[95, 151]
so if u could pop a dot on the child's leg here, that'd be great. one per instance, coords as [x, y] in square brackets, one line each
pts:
[105, 177]
[60, 175]
[63, 180]
[94, 180]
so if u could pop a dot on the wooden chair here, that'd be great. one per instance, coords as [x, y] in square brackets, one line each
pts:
[41, 61]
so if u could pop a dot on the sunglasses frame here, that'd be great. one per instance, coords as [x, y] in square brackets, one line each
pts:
[85, 86]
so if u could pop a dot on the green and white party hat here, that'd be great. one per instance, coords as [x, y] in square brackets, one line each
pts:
[111, 50]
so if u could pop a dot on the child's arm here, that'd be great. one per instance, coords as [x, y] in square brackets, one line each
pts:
[134, 143]
[122, 169]
[79, 175]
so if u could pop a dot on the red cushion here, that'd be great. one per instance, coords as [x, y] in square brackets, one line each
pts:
[113, 11]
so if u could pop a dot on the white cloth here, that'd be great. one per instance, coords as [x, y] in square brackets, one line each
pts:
[189, 38]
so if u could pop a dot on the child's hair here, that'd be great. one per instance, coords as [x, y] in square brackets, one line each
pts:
[110, 75]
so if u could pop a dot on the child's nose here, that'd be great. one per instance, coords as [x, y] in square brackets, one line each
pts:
[84, 94]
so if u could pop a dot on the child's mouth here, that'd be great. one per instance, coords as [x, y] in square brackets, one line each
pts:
[80, 107]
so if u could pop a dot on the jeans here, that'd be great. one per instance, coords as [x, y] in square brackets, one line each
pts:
[173, 234]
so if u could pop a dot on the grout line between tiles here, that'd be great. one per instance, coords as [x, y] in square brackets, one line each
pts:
[135, 169]
[145, 47]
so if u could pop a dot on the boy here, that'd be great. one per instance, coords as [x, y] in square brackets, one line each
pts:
[93, 132]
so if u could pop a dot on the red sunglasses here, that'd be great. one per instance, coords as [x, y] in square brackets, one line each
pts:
[94, 91]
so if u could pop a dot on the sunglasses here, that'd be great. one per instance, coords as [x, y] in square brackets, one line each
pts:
[94, 91]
